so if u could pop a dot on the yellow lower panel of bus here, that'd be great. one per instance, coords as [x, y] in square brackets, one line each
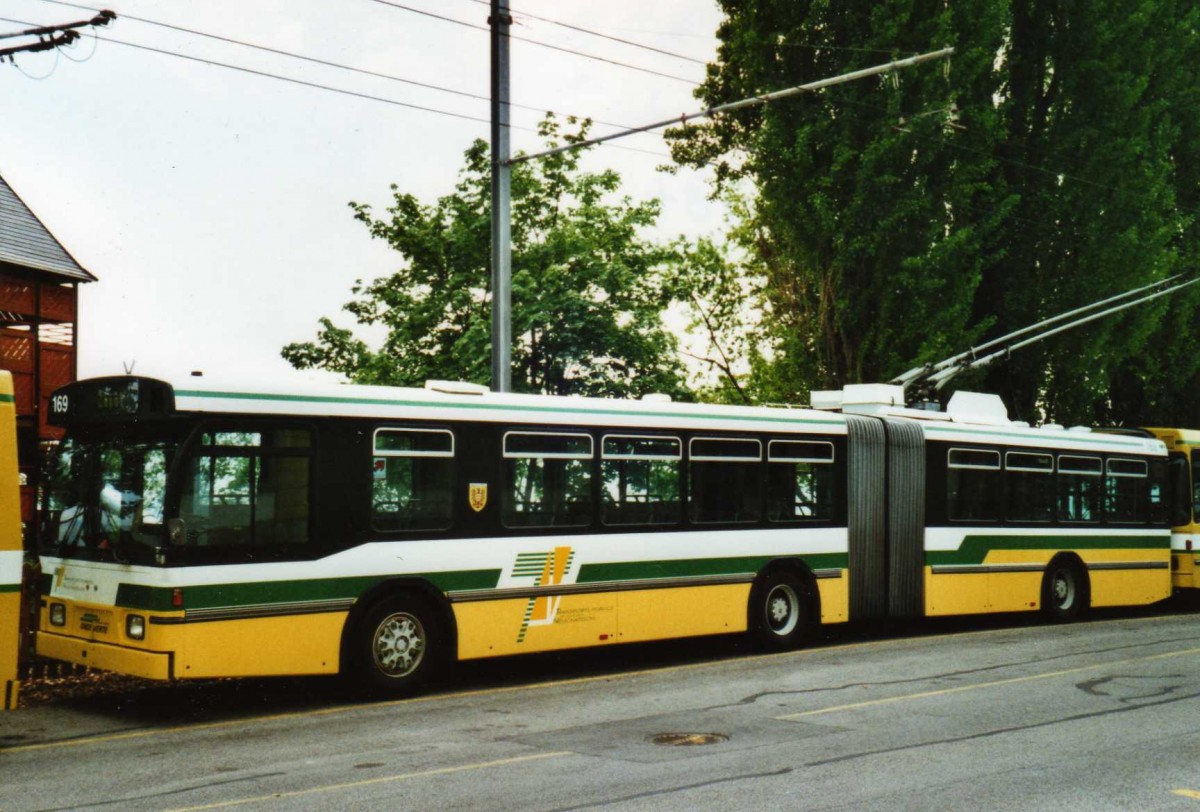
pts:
[835, 598]
[105, 656]
[519, 625]
[253, 647]
[10, 634]
[955, 593]
[1183, 574]
[261, 647]
[548, 623]
[951, 593]
[1129, 587]
[661, 614]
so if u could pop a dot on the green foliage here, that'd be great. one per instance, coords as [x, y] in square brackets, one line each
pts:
[899, 220]
[1089, 96]
[588, 289]
[865, 228]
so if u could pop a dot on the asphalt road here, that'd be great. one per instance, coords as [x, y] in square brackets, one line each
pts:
[1103, 714]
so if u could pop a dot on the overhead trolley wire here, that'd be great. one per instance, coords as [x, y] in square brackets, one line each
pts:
[292, 54]
[518, 14]
[290, 79]
[351, 68]
[319, 86]
[539, 43]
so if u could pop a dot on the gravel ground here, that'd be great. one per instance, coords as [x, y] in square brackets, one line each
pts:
[48, 690]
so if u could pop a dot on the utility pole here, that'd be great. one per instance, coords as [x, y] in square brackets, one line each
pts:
[500, 21]
[52, 36]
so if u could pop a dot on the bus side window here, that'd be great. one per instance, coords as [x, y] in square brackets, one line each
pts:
[547, 480]
[640, 480]
[973, 485]
[1179, 486]
[1196, 483]
[248, 488]
[800, 481]
[412, 471]
[1030, 481]
[1159, 494]
[724, 475]
[1079, 483]
[1126, 491]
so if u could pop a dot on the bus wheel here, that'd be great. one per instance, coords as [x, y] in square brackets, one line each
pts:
[778, 609]
[397, 647]
[1064, 591]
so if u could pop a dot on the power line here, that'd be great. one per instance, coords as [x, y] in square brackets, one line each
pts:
[593, 32]
[537, 42]
[51, 37]
[326, 63]
[282, 78]
[331, 89]
[45, 43]
[598, 34]
[101, 18]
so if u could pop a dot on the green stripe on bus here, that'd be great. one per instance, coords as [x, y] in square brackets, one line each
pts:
[974, 549]
[9, 588]
[6, 398]
[522, 408]
[213, 596]
[695, 567]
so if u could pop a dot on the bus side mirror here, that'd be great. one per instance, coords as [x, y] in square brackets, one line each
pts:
[176, 532]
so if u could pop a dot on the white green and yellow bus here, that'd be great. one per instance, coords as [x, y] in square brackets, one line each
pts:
[193, 529]
[1183, 446]
[12, 555]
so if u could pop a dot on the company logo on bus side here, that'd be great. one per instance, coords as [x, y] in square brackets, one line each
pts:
[547, 569]
[477, 496]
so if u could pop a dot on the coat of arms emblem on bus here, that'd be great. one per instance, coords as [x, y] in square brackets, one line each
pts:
[477, 496]
[547, 569]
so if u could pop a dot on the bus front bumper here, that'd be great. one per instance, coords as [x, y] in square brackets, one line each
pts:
[105, 656]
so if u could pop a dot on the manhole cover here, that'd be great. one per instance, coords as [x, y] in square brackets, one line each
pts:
[687, 739]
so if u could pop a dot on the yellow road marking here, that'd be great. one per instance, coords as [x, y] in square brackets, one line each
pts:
[277, 796]
[906, 642]
[870, 703]
[1188, 793]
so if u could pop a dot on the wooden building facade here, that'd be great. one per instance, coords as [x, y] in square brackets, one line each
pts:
[39, 316]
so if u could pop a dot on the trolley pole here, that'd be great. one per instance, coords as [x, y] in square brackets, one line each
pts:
[500, 21]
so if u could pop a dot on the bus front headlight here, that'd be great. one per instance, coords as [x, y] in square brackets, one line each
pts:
[58, 614]
[135, 627]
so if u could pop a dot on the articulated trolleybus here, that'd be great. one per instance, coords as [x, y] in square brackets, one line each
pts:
[196, 530]
[1183, 446]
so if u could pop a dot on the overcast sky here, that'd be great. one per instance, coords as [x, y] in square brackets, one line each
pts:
[212, 203]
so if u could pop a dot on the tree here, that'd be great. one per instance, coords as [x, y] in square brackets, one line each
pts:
[589, 289]
[1157, 386]
[867, 226]
[1089, 95]
[1051, 166]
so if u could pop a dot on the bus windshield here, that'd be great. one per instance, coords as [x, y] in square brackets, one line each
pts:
[104, 497]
